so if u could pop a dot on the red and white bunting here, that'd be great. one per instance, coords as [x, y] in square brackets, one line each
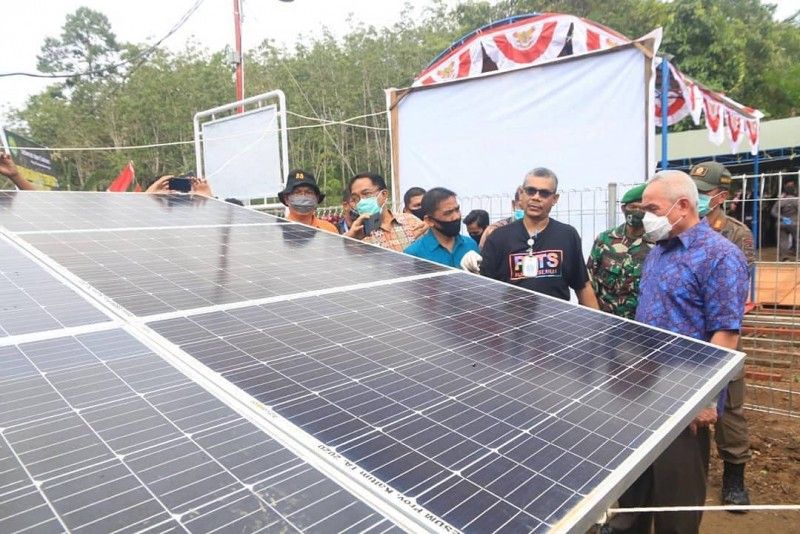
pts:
[677, 107]
[735, 127]
[751, 127]
[590, 37]
[462, 63]
[540, 38]
[528, 44]
[694, 99]
[715, 120]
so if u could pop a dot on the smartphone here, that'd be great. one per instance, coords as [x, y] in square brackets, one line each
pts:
[182, 184]
[372, 223]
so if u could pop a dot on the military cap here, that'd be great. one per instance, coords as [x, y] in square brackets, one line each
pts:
[710, 175]
[634, 194]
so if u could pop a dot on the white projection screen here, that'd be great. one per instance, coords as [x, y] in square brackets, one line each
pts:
[241, 154]
[587, 118]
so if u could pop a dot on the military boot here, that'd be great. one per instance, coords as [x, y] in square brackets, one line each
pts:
[733, 490]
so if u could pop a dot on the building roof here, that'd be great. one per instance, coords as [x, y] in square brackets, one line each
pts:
[775, 134]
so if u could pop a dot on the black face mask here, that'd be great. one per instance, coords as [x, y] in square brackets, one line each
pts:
[448, 228]
[477, 238]
[418, 213]
[634, 218]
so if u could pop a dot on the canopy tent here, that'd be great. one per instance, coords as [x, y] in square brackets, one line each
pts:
[536, 38]
[589, 117]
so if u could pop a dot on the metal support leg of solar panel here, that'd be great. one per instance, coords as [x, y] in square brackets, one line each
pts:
[174, 363]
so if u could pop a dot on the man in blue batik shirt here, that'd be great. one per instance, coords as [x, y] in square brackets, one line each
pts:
[694, 282]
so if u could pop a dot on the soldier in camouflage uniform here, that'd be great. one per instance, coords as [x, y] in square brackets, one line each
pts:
[615, 268]
[615, 262]
[713, 182]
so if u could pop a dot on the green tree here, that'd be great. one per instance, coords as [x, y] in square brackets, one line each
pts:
[734, 46]
[87, 44]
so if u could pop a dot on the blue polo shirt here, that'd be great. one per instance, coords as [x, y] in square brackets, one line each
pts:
[429, 248]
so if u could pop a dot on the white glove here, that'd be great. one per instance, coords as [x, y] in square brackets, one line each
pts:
[471, 262]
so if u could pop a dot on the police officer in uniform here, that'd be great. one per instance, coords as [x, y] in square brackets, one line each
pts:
[615, 262]
[713, 182]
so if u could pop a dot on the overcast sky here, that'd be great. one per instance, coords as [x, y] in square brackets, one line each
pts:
[26, 25]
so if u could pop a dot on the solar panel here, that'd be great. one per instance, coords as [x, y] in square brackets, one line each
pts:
[59, 211]
[457, 401]
[31, 300]
[164, 270]
[464, 394]
[99, 433]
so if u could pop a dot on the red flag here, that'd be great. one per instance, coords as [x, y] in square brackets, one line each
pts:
[123, 180]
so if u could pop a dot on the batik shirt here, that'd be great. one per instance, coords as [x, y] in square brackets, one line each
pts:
[615, 268]
[405, 230]
[694, 284]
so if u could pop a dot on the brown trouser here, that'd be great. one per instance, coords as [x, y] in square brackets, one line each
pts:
[730, 432]
[676, 478]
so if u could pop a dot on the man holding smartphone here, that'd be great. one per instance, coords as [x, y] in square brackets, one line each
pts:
[186, 183]
[376, 223]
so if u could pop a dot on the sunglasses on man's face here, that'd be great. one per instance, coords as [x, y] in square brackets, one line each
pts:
[533, 191]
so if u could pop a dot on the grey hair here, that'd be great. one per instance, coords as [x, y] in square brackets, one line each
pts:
[542, 172]
[678, 185]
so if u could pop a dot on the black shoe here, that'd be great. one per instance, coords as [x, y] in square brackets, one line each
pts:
[733, 489]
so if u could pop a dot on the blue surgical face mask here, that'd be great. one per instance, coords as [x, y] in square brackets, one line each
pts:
[704, 204]
[519, 214]
[368, 206]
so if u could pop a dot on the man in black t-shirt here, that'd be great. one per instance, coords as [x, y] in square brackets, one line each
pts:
[537, 252]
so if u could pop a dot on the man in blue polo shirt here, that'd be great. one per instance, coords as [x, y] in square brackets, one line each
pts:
[694, 282]
[443, 242]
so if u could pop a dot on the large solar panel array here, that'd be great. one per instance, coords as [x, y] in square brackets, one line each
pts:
[439, 399]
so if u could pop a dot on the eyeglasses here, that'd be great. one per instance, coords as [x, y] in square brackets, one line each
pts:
[533, 191]
[355, 197]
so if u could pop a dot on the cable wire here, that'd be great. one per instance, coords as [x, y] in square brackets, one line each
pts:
[179, 143]
[141, 58]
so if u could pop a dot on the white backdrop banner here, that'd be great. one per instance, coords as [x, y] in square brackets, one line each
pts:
[586, 118]
[241, 154]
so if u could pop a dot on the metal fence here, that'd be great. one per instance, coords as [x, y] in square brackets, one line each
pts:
[771, 336]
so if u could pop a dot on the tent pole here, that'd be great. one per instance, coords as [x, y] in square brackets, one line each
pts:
[664, 111]
[756, 197]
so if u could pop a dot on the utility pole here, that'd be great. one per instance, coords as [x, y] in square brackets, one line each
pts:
[239, 58]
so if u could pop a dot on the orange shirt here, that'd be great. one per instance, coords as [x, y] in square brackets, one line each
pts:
[316, 222]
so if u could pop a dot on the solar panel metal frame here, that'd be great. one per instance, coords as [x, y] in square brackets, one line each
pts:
[592, 505]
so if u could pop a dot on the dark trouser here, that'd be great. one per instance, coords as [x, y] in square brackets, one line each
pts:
[676, 478]
[787, 240]
[730, 432]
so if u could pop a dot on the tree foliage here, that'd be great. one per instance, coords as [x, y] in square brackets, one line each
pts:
[735, 46]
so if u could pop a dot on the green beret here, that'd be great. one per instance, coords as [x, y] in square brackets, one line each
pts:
[634, 194]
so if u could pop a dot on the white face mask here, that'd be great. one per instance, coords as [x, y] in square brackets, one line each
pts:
[657, 227]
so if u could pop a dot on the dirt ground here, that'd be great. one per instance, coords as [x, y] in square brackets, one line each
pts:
[772, 477]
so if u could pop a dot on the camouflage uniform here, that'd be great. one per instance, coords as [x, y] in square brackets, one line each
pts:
[615, 267]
